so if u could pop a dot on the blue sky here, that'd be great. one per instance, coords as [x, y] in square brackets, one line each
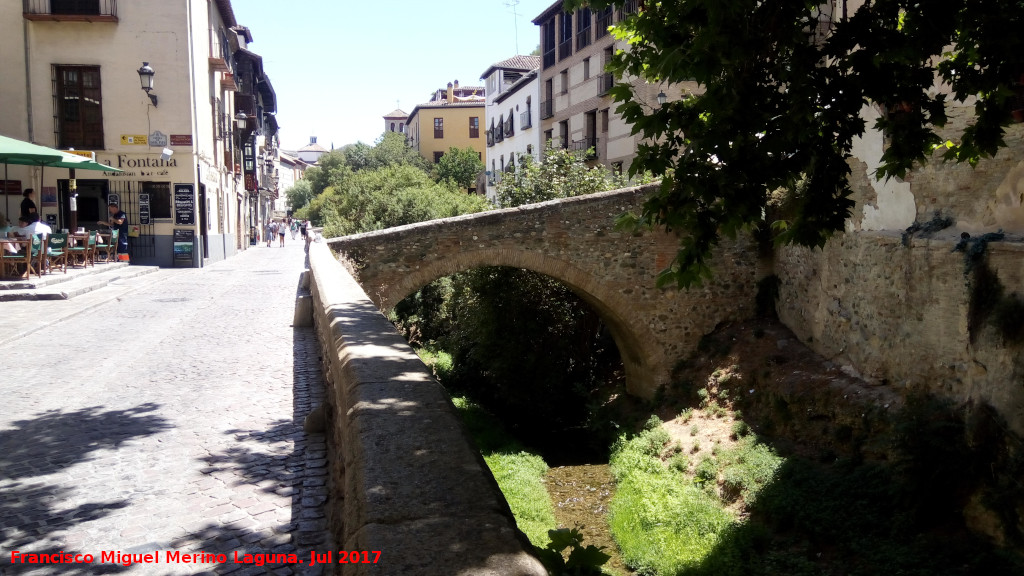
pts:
[338, 65]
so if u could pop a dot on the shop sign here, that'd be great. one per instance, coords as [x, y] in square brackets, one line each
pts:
[181, 139]
[133, 139]
[184, 204]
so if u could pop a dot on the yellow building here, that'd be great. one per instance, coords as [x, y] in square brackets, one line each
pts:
[452, 118]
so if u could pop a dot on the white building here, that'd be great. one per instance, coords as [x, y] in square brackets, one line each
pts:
[512, 115]
[311, 153]
[395, 121]
[71, 80]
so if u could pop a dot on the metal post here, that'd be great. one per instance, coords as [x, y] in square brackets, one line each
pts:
[73, 200]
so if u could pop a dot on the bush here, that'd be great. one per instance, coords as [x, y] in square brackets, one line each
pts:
[740, 429]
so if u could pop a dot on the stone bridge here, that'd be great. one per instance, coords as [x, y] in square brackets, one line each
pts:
[574, 241]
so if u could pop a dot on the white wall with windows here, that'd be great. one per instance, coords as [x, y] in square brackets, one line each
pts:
[513, 129]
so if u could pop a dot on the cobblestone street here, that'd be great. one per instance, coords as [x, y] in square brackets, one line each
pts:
[167, 419]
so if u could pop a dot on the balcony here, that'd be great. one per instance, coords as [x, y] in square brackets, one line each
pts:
[525, 120]
[565, 49]
[220, 56]
[70, 10]
[499, 133]
[606, 83]
[549, 58]
[547, 109]
[586, 147]
[509, 129]
[490, 138]
[604, 21]
[629, 7]
[582, 38]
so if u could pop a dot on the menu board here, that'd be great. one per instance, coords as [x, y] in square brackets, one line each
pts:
[184, 204]
[184, 244]
[144, 216]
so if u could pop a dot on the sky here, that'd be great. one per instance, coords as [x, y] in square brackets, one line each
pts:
[338, 66]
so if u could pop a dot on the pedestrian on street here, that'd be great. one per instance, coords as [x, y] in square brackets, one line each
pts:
[282, 229]
[295, 227]
[304, 229]
[271, 232]
[28, 208]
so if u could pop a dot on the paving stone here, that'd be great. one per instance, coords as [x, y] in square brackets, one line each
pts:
[173, 436]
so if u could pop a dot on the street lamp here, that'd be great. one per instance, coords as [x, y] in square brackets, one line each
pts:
[662, 98]
[146, 74]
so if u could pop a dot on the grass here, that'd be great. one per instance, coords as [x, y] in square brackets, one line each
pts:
[662, 522]
[519, 473]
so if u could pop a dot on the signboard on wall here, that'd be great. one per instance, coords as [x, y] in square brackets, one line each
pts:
[184, 204]
[144, 217]
[181, 139]
[12, 187]
[184, 244]
[113, 198]
[133, 139]
[49, 197]
[249, 166]
[158, 139]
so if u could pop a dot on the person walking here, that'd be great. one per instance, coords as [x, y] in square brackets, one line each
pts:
[282, 229]
[271, 232]
[295, 227]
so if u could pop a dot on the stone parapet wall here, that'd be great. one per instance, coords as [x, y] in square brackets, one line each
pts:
[900, 315]
[405, 478]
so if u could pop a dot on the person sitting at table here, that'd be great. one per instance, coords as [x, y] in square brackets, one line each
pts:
[6, 231]
[28, 228]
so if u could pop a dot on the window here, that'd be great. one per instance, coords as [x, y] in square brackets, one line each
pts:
[78, 107]
[474, 127]
[604, 21]
[549, 135]
[582, 28]
[604, 120]
[563, 133]
[564, 80]
[586, 69]
[159, 199]
[437, 157]
[438, 128]
[565, 37]
[547, 32]
[401, 126]
[75, 7]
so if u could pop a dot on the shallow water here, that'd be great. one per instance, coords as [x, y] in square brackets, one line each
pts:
[580, 495]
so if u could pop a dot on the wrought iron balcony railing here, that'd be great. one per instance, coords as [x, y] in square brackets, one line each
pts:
[547, 109]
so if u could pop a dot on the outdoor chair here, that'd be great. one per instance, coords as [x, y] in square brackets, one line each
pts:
[110, 247]
[84, 253]
[57, 252]
[31, 250]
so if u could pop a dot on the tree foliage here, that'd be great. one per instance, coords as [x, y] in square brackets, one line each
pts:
[460, 166]
[781, 86]
[386, 197]
[560, 175]
[300, 194]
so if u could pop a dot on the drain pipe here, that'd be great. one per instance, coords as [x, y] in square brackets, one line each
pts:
[28, 84]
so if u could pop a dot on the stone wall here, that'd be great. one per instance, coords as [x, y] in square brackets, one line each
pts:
[405, 478]
[899, 315]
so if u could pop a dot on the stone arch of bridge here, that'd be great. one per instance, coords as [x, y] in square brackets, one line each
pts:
[632, 337]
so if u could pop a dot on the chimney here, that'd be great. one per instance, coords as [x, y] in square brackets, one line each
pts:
[451, 93]
[456, 85]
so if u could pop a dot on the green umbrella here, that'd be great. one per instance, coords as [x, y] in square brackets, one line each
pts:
[27, 154]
